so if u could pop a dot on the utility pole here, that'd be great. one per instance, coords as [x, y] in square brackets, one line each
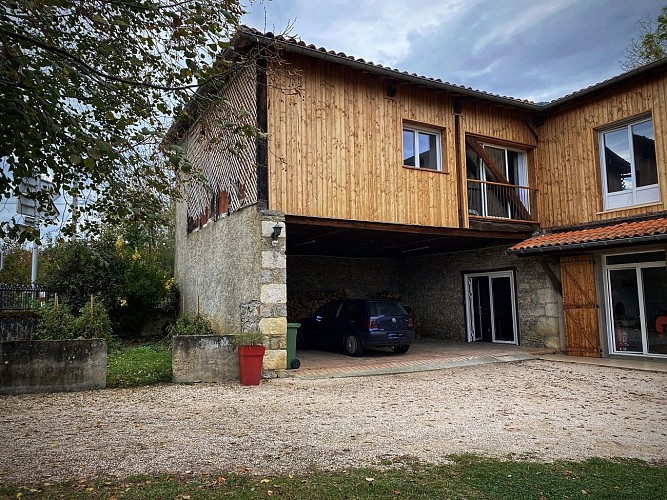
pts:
[35, 252]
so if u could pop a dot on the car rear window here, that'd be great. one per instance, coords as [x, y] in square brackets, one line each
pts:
[386, 308]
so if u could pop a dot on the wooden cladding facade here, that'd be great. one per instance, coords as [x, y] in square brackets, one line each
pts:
[580, 306]
[567, 159]
[335, 145]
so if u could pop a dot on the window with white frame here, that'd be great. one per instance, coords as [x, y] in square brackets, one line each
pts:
[629, 167]
[486, 196]
[421, 148]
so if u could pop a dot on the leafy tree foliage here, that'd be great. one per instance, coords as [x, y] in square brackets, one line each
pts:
[651, 44]
[17, 264]
[87, 90]
[128, 280]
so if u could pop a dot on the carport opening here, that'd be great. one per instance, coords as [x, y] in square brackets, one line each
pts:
[333, 260]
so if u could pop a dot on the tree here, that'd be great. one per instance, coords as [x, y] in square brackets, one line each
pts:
[88, 89]
[651, 44]
[130, 277]
[17, 264]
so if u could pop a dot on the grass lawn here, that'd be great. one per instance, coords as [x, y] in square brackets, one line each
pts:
[467, 477]
[135, 366]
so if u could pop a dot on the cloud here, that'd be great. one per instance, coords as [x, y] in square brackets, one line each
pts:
[530, 49]
[520, 21]
[375, 30]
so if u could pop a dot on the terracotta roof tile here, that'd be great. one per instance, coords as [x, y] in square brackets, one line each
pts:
[614, 232]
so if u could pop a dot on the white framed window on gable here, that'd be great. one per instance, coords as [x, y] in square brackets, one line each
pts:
[629, 167]
[421, 148]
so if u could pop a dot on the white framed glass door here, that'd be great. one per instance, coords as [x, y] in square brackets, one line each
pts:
[491, 307]
[636, 303]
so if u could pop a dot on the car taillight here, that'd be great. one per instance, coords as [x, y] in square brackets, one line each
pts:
[411, 322]
[371, 323]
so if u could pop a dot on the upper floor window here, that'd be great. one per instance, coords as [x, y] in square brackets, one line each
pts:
[421, 148]
[629, 167]
[489, 196]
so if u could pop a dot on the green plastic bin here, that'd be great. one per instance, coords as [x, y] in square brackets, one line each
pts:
[292, 329]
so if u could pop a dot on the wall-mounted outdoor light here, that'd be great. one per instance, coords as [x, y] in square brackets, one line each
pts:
[277, 229]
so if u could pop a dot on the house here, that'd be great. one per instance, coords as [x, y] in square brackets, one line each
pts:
[496, 219]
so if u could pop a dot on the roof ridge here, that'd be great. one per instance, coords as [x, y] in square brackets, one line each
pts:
[295, 41]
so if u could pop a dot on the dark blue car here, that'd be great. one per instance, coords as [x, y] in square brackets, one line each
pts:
[358, 324]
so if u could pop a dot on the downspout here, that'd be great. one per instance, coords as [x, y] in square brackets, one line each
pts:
[261, 142]
[459, 168]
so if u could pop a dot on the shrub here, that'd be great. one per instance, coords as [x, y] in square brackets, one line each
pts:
[93, 323]
[55, 322]
[191, 324]
[129, 281]
[252, 337]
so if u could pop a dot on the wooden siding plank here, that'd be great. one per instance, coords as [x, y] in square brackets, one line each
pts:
[341, 141]
[568, 178]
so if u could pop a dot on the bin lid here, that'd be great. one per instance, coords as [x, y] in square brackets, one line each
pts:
[293, 325]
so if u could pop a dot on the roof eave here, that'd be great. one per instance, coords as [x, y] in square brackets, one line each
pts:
[612, 82]
[589, 245]
[386, 72]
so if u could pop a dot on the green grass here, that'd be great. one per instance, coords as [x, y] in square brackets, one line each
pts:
[136, 366]
[468, 477]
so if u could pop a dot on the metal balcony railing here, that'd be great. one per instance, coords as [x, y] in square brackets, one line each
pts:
[495, 200]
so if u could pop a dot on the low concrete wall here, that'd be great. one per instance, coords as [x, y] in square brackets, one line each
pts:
[52, 366]
[17, 326]
[199, 358]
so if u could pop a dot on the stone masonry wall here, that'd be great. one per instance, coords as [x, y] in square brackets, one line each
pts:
[231, 270]
[272, 307]
[434, 286]
[313, 281]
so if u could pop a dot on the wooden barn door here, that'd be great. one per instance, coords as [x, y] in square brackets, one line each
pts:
[579, 305]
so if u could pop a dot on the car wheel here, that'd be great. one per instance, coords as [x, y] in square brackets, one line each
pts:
[352, 345]
[400, 349]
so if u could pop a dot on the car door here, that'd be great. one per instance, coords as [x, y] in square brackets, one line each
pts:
[347, 320]
[324, 324]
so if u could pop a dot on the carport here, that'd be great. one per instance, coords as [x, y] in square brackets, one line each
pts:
[330, 259]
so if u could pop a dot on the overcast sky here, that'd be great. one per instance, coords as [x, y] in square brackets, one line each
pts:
[529, 49]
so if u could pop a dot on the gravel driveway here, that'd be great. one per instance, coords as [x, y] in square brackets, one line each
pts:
[538, 410]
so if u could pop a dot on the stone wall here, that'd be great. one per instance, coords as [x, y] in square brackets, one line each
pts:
[52, 366]
[17, 325]
[209, 358]
[232, 271]
[354, 277]
[313, 281]
[433, 286]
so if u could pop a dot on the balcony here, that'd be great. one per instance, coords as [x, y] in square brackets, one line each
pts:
[497, 201]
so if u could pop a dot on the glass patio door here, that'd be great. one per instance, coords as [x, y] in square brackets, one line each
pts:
[490, 307]
[637, 304]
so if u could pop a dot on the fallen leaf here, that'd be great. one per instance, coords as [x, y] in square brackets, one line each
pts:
[264, 481]
[221, 480]
[370, 479]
